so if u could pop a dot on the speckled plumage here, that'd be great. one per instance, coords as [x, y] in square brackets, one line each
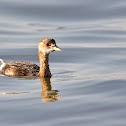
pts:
[21, 68]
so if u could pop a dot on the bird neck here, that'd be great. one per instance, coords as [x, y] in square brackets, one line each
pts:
[44, 66]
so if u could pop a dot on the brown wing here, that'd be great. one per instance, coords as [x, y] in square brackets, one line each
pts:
[21, 68]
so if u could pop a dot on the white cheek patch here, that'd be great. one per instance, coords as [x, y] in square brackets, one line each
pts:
[47, 51]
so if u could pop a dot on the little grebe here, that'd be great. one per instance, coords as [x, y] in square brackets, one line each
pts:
[21, 68]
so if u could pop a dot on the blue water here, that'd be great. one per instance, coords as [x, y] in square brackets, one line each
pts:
[88, 86]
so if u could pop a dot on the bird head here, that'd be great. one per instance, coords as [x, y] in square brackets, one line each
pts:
[48, 45]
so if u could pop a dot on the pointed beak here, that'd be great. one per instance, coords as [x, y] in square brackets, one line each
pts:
[56, 48]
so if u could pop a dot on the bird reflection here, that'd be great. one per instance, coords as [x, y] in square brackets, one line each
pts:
[47, 94]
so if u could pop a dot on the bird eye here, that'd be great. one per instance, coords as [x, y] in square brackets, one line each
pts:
[47, 44]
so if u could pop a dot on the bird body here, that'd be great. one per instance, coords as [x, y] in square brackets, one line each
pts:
[21, 68]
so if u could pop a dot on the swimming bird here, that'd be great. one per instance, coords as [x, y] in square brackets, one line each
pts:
[21, 68]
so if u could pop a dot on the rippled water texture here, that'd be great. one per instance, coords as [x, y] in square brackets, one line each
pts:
[88, 87]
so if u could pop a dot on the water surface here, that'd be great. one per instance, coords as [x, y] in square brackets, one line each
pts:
[89, 77]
